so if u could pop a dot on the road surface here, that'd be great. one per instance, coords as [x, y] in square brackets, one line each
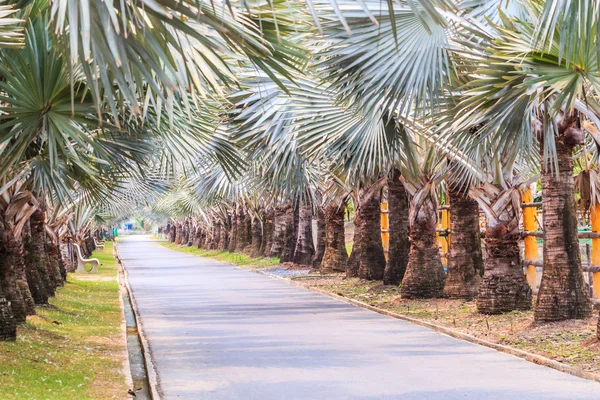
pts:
[216, 331]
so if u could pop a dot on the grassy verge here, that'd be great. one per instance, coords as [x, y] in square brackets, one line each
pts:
[240, 259]
[72, 349]
[569, 342]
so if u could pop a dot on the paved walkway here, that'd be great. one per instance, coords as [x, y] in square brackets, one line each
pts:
[220, 332]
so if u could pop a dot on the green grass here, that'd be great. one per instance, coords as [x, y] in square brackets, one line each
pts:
[240, 259]
[72, 349]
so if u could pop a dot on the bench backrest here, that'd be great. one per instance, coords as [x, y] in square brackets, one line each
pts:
[78, 251]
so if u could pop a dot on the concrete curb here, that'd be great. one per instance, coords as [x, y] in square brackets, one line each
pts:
[123, 328]
[153, 381]
[531, 357]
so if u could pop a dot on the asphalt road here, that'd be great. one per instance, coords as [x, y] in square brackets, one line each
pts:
[220, 332]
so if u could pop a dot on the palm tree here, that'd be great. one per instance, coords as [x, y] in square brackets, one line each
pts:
[503, 286]
[465, 261]
[399, 222]
[335, 255]
[424, 275]
[16, 206]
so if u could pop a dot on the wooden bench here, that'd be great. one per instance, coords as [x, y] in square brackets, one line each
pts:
[99, 245]
[81, 262]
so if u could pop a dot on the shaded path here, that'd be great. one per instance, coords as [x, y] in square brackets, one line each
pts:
[220, 332]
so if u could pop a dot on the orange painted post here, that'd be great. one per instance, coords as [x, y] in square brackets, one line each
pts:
[595, 218]
[531, 247]
[385, 228]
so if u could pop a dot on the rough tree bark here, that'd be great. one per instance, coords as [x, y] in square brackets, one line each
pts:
[424, 277]
[256, 237]
[503, 287]
[321, 238]
[248, 232]
[305, 248]
[289, 239]
[267, 233]
[185, 234]
[222, 245]
[372, 258]
[54, 261]
[465, 261]
[232, 232]
[172, 233]
[207, 238]
[196, 236]
[357, 242]
[562, 293]
[278, 233]
[214, 243]
[38, 279]
[178, 233]
[335, 256]
[67, 255]
[89, 245]
[8, 327]
[241, 240]
[399, 227]
[9, 285]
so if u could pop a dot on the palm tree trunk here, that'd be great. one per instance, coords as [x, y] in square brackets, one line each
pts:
[503, 287]
[8, 327]
[222, 245]
[256, 237]
[335, 256]
[185, 235]
[267, 236]
[399, 229]
[424, 277]
[232, 232]
[465, 262]
[562, 293]
[172, 233]
[320, 251]
[38, 278]
[178, 232]
[278, 233]
[248, 232]
[9, 275]
[241, 240]
[357, 243]
[371, 258]
[54, 262]
[195, 235]
[22, 283]
[67, 254]
[206, 239]
[214, 244]
[289, 239]
[305, 248]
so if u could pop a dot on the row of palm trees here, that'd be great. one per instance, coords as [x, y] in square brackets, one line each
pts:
[99, 103]
[478, 98]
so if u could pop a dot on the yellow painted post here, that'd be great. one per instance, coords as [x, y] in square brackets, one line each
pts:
[445, 241]
[385, 228]
[531, 247]
[595, 218]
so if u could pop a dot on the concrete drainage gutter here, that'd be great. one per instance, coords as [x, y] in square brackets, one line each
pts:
[143, 371]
